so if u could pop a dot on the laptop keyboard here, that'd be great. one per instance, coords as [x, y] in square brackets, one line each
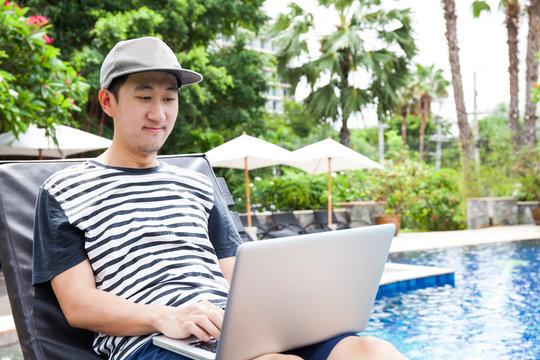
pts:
[208, 346]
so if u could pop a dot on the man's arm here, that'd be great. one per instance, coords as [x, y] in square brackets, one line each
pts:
[227, 267]
[87, 307]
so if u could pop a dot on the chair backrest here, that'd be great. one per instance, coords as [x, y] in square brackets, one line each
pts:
[287, 220]
[321, 218]
[43, 332]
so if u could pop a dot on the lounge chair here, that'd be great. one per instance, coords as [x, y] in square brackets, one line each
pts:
[42, 329]
[264, 232]
[287, 220]
[321, 218]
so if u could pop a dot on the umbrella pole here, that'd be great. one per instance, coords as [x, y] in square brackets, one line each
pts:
[248, 200]
[40, 154]
[329, 192]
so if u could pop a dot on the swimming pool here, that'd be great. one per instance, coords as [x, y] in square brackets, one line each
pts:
[491, 312]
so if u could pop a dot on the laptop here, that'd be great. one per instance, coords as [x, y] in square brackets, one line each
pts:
[294, 291]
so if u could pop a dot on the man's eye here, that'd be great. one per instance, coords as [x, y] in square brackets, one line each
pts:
[170, 99]
[145, 98]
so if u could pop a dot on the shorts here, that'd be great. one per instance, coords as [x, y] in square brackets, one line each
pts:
[319, 351]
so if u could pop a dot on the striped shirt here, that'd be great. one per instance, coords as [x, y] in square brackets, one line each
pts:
[144, 231]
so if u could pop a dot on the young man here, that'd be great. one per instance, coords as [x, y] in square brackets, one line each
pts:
[134, 247]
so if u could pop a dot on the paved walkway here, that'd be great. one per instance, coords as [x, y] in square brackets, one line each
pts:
[440, 239]
[403, 242]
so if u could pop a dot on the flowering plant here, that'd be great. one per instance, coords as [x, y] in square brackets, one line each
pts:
[36, 87]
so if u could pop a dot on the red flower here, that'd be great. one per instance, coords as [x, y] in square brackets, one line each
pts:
[66, 81]
[48, 39]
[433, 217]
[37, 20]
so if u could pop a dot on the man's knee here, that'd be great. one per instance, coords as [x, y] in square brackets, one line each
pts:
[364, 347]
[278, 357]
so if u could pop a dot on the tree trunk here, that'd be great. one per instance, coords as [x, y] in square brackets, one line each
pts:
[529, 126]
[512, 23]
[345, 133]
[469, 167]
[424, 114]
[466, 144]
[404, 128]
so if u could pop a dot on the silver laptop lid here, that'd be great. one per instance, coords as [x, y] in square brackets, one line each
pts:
[294, 291]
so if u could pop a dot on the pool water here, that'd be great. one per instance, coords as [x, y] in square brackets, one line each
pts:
[491, 312]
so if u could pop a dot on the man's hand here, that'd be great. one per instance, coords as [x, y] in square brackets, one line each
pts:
[89, 308]
[202, 319]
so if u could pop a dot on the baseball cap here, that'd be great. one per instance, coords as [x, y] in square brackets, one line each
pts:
[144, 54]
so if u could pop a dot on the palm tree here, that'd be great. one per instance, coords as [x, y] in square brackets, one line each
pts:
[465, 135]
[533, 37]
[404, 108]
[512, 11]
[336, 72]
[427, 84]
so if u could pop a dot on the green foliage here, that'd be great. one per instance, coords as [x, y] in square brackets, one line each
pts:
[107, 31]
[438, 205]
[343, 55]
[425, 198]
[479, 6]
[72, 20]
[527, 166]
[535, 93]
[229, 99]
[351, 186]
[35, 86]
[298, 118]
[287, 191]
[187, 23]
[496, 155]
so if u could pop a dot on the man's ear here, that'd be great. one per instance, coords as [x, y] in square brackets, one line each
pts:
[106, 99]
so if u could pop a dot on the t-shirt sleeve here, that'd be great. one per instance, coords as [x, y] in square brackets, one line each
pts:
[58, 245]
[221, 229]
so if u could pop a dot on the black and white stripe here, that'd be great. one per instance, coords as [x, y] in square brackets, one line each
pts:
[146, 236]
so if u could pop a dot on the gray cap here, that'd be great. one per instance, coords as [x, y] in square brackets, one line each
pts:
[143, 54]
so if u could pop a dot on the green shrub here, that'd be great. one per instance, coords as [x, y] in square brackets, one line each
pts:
[36, 87]
[293, 190]
[527, 166]
[426, 199]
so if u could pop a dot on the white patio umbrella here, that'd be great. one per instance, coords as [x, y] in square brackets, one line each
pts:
[328, 155]
[248, 153]
[34, 142]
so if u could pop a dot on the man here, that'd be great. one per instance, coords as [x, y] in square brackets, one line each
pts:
[134, 247]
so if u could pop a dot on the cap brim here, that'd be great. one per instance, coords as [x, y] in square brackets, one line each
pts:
[188, 77]
[185, 77]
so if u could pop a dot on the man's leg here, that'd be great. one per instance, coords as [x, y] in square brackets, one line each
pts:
[278, 357]
[365, 347]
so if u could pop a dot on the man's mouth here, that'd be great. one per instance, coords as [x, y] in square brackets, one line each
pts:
[153, 130]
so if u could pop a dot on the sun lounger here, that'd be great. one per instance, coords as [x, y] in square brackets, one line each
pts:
[43, 332]
[321, 218]
[288, 221]
[264, 232]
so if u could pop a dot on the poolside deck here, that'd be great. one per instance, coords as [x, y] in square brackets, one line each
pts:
[394, 273]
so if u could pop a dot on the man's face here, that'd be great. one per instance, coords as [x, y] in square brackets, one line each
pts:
[146, 111]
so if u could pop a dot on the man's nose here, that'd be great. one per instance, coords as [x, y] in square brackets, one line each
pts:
[156, 111]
